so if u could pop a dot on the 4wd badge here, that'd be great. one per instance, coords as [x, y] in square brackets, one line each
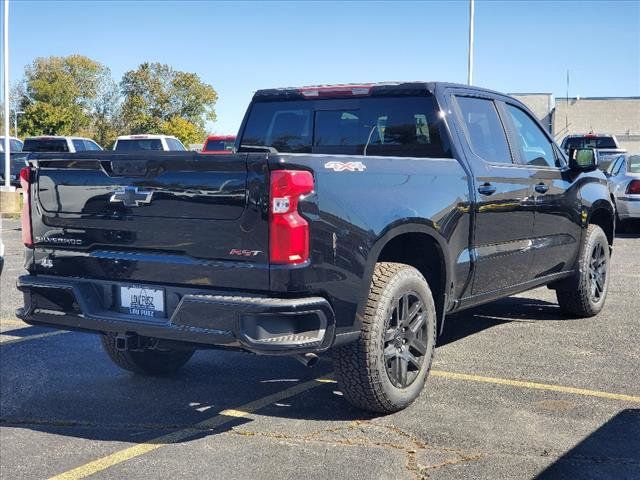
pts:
[346, 166]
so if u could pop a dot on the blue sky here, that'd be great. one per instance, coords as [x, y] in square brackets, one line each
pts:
[239, 47]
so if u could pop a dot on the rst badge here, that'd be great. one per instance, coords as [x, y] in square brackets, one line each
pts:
[345, 166]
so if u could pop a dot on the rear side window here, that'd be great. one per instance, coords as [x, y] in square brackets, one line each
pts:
[45, 145]
[78, 145]
[484, 129]
[174, 145]
[139, 144]
[89, 145]
[385, 126]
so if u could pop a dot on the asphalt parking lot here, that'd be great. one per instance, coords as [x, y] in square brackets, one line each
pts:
[517, 391]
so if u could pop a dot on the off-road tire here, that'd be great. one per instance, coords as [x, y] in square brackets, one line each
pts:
[360, 367]
[577, 298]
[146, 361]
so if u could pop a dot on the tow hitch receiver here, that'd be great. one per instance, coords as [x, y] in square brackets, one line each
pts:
[127, 342]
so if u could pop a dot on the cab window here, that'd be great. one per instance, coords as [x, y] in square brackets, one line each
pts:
[484, 129]
[78, 144]
[533, 145]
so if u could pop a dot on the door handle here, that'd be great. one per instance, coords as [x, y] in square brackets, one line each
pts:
[542, 187]
[487, 189]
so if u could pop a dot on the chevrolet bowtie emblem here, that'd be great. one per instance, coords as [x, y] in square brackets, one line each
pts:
[131, 197]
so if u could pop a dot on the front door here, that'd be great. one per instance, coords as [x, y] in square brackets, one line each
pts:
[504, 209]
[557, 222]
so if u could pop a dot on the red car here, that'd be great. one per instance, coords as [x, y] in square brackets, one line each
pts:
[218, 144]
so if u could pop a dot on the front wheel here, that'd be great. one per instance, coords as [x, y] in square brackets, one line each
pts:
[148, 360]
[386, 368]
[588, 297]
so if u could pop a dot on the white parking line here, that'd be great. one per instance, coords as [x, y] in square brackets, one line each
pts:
[10, 339]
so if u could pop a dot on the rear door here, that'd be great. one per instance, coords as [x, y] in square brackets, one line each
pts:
[557, 229]
[160, 217]
[503, 211]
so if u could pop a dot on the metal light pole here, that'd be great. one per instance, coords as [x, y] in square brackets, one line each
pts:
[15, 121]
[5, 57]
[470, 62]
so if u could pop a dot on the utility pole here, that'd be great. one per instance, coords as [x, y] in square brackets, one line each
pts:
[470, 60]
[7, 120]
[15, 121]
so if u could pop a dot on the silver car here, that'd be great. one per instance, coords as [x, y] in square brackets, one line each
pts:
[624, 185]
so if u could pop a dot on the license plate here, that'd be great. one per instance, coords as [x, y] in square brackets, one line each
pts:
[142, 301]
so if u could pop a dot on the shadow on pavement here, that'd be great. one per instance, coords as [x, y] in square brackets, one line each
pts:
[66, 385]
[612, 451]
[511, 309]
[630, 229]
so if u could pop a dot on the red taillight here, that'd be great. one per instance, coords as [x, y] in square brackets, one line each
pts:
[25, 183]
[288, 231]
[634, 187]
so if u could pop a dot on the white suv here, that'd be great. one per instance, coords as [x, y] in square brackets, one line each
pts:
[59, 144]
[167, 143]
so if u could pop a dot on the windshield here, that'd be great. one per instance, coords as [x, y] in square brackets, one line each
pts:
[139, 144]
[388, 126]
[590, 142]
[45, 145]
[634, 164]
[15, 145]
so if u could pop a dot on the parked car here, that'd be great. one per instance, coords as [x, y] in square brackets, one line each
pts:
[354, 218]
[59, 144]
[217, 144]
[606, 146]
[1, 255]
[126, 143]
[17, 160]
[624, 185]
[15, 144]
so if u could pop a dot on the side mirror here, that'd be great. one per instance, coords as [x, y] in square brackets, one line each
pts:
[582, 159]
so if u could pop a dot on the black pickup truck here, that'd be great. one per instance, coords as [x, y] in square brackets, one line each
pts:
[351, 219]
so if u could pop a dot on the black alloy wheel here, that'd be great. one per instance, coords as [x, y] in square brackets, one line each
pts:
[405, 340]
[598, 271]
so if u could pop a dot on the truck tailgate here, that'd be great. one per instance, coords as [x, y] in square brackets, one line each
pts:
[163, 217]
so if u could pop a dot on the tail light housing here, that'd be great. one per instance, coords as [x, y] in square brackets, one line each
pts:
[288, 231]
[633, 187]
[25, 183]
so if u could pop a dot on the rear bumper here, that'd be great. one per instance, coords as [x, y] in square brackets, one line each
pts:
[265, 325]
[628, 206]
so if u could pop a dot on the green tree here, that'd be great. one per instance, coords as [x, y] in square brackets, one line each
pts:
[62, 95]
[159, 99]
[186, 131]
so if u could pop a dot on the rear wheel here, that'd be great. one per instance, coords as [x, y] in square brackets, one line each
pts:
[386, 368]
[588, 297]
[148, 360]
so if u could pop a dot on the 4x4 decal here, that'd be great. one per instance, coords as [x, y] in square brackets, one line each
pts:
[346, 166]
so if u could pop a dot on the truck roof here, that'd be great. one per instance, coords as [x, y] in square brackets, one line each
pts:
[143, 136]
[358, 89]
[221, 137]
[56, 137]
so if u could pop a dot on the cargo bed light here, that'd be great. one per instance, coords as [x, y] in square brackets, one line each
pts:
[288, 231]
[336, 91]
